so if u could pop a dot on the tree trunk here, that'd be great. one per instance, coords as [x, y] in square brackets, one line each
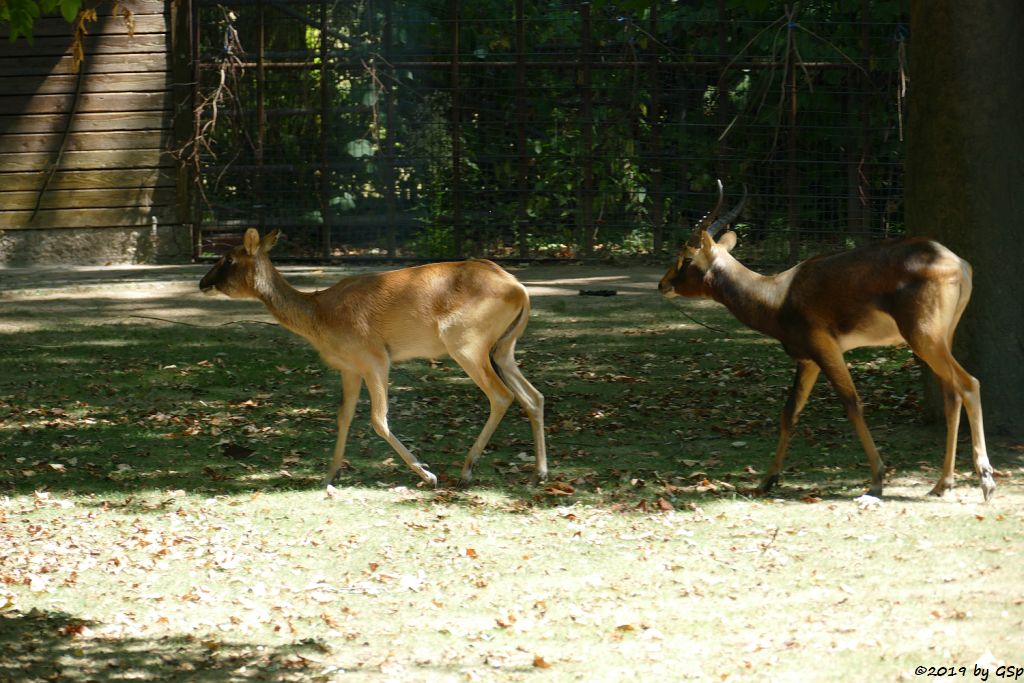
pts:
[965, 178]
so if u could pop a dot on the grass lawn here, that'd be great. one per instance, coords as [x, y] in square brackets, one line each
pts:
[161, 516]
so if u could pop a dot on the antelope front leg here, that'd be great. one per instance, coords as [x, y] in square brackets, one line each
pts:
[376, 386]
[806, 375]
[351, 384]
[838, 374]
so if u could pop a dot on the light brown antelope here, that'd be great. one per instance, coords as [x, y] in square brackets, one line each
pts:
[472, 311]
[909, 291]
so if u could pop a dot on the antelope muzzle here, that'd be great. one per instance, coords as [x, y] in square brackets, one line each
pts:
[208, 285]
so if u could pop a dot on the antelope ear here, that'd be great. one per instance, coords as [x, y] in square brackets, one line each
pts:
[727, 241]
[270, 240]
[251, 241]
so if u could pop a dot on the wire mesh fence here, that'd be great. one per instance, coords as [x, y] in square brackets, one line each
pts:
[439, 129]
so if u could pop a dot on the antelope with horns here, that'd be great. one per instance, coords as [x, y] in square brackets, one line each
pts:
[909, 291]
[472, 311]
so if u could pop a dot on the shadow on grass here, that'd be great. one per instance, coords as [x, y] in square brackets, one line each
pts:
[641, 405]
[49, 646]
[63, 277]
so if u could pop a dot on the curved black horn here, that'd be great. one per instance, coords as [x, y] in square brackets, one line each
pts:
[703, 224]
[716, 227]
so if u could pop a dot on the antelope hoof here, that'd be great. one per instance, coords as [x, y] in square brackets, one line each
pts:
[464, 480]
[941, 486]
[875, 490]
[768, 483]
[988, 485]
[540, 476]
[333, 475]
[429, 479]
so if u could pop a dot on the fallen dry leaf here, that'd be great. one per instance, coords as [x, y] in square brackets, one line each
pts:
[506, 621]
[559, 488]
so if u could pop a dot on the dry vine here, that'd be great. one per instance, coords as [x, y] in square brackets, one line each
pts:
[77, 49]
[208, 106]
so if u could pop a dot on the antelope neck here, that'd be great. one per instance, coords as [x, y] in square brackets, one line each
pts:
[753, 298]
[292, 308]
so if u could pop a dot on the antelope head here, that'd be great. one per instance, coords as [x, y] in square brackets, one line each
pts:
[685, 275]
[237, 273]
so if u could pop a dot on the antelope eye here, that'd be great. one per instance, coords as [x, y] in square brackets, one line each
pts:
[228, 260]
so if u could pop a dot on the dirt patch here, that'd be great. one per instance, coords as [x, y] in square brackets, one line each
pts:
[44, 298]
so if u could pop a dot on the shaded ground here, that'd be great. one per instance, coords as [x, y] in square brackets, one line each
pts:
[95, 295]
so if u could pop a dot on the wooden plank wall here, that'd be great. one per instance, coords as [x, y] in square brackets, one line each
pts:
[115, 170]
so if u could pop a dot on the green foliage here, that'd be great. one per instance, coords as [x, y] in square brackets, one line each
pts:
[20, 15]
[360, 148]
[434, 241]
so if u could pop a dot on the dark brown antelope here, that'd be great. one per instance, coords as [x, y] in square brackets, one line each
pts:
[472, 311]
[910, 291]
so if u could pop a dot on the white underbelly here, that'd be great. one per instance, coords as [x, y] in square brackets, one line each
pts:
[878, 330]
[423, 348]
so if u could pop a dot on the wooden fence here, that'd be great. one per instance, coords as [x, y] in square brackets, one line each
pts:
[87, 153]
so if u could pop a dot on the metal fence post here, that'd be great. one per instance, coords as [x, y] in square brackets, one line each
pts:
[261, 120]
[523, 163]
[656, 197]
[325, 117]
[457, 234]
[792, 172]
[586, 124]
[388, 84]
